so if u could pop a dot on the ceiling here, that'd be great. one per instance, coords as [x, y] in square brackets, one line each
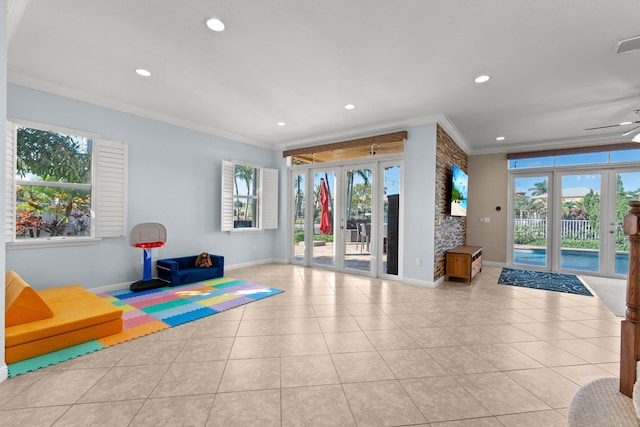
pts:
[553, 66]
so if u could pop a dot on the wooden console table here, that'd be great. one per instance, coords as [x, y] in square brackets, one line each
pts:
[463, 262]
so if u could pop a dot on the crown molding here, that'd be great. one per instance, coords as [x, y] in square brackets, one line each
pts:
[454, 133]
[372, 130]
[551, 144]
[78, 95]
[357, 132]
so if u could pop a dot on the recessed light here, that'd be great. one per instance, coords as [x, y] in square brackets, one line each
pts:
[624, 123]
[500, 138]
[215, 24]
[281, 123]
[482, 79]
[636, 138]
[142, 72]
[349, 106]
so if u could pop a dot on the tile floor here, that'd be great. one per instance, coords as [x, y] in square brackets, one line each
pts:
[340, 350]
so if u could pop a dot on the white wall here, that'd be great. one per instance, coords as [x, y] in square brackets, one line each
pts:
[282, 238]
[419, 210]
[174, 179]
[3, 115]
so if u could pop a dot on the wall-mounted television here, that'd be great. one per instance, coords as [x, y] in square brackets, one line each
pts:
[459, 188]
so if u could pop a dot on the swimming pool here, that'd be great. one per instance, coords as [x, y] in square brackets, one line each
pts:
[570, 259]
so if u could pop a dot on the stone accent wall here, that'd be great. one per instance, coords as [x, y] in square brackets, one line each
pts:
[450, 231]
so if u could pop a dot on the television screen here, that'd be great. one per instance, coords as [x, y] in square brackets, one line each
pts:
[459, 186]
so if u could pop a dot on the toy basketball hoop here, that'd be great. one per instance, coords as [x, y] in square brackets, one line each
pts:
[147, 236]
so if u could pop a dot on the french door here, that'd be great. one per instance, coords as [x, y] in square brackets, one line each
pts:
[624, 186]
[572, 221]
[357, 221]
[347, 218]
[529, 231]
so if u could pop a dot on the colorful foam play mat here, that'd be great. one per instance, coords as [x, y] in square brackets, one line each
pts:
[155, 310]
[557, 282]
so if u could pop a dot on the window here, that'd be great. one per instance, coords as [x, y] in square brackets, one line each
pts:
[612, 153]
[625, 156]
[245, 197]
[391, 143]
[53, 184]
[249, 197]
[66, 186]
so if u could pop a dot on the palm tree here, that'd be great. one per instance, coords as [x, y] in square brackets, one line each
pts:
[299, 196]
[246, 174]
[365, 174]
[539, 188]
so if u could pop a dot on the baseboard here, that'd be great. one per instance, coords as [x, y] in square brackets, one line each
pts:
[110, 288]
[424, 283]
[118, 286]
[4, 372]
[494, 264]
[255, 263]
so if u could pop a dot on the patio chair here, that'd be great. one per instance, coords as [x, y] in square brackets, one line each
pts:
[364, 231]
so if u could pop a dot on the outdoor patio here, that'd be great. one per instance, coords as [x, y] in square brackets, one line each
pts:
[357, 255]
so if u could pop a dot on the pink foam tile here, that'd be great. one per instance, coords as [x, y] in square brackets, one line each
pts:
[145, 297]
[131, 314]
[139, 320]
[155, 301]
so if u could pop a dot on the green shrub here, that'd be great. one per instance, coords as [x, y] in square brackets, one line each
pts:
[323, 238]
[580, 243]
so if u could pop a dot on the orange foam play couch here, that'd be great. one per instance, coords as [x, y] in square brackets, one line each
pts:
[39, 322]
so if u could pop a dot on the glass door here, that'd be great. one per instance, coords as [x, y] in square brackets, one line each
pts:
[298, 204]
[529, 231]
[390, 234]
[578, 222]
[347, 219]
[322, 239]
[590, 231]
[626, 186]
[358, 217]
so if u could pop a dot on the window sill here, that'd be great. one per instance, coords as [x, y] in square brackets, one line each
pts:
[246, 230]
[53, 242]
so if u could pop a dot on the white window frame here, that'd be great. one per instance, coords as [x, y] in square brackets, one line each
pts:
[266, 198]
[109, 177]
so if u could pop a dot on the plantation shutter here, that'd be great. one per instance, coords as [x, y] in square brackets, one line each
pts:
[226, 215]
[110, 188]
[9, 183]
[269, 199]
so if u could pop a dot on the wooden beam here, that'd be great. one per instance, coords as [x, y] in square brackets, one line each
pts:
[368, 141]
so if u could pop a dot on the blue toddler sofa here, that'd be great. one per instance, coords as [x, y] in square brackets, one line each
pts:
[179, 271]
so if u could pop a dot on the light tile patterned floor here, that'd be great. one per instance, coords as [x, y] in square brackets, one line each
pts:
[340, 350]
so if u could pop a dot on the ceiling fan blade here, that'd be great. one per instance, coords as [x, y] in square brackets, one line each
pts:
[629, 132]
[614, 126]
[603, 127]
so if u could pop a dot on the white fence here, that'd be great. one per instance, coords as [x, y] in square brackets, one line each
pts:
[571, 228]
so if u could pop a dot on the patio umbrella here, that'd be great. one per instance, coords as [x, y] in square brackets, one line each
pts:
[325, 221]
